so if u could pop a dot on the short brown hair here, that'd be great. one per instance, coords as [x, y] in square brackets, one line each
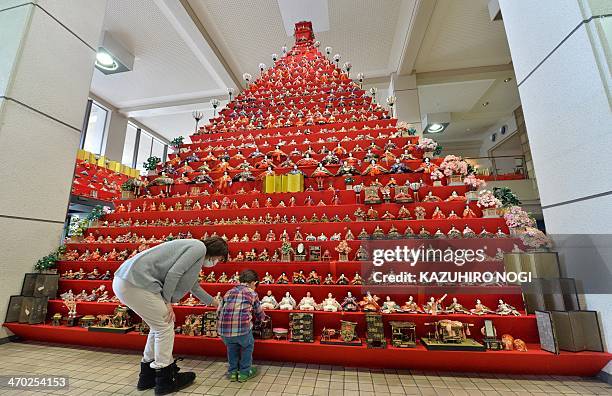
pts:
[216, 247]
[248, 276]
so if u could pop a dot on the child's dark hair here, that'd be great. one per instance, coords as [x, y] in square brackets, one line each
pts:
[248, 276]
[216, 247]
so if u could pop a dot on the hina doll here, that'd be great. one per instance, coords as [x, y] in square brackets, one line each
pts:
[411, 306]
[329, 280]
[321, 171]
[438, 214]
[455, 197]
[223, 166]
[307, 161]
[308, 303]
[330, 304]
[295, 171]
[468, 213]
[349, 303]
[264, 163]
[282, 279]
[224, 181]
[431, 198]
[346, 169]
[339, 150]
[426, 166]
[399, 167]
[388, 157]
[330, 159]
[268, 172]
[352, 161]
[374, 169]
[268, 301]
[277, 154]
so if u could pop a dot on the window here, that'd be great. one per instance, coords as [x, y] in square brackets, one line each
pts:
[158, 149]
[149, 146]
[144, 149]
[129, 145]
[95, 134]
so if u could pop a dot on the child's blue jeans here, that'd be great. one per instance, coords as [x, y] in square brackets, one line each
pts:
[240, 352]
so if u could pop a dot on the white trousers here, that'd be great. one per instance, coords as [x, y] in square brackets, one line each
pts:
[152, 309]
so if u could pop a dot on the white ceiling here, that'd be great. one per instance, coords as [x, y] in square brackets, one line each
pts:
[460, 34]
[247, 32]
[172, 64]
[457, 96]
[464, 96]
[188, 51]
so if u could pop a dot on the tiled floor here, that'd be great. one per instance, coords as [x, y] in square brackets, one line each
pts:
[94, 371]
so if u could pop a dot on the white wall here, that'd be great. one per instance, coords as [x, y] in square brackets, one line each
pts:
[39, 142]
[559, 51]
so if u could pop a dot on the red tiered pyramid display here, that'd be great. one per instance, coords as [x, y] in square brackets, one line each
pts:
[302, 116]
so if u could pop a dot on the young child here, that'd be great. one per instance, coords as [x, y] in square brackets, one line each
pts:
[239, 309]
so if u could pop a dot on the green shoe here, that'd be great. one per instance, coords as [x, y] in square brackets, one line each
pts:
[233, 377]
[245, 377]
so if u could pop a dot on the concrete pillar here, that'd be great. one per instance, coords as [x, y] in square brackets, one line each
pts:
[562, 57]
[407, 106]
[116, 136]
[46, 64]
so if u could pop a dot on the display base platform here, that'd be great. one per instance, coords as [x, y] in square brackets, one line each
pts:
[116, 330]
[355, 342]
[467, 345]
[534, 361]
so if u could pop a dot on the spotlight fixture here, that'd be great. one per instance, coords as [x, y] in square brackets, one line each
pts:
[262, 67]
[435, 128]
[435, 122]
[508, 79]
[112, 57]
[485, 104]
[274, 57]
[317, 44]
[284, 49]
[230, 92]
[105, 61]
[328, 51]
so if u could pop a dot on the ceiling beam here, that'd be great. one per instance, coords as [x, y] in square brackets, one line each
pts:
[413, 36]
[178, 106]
[207, 37]
[464, 74]
[183, 23]
[113, 109]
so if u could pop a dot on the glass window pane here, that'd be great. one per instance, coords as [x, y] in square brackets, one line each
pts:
[96, 127]
[144, 149]
[128, 146]
[158, 149]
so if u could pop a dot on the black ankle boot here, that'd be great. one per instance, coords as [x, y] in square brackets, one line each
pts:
[146, 379]
[169, 380]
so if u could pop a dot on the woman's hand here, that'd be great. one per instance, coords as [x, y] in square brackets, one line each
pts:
[215, 303]
[170, 317]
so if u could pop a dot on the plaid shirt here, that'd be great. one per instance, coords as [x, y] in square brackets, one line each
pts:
[236, 312]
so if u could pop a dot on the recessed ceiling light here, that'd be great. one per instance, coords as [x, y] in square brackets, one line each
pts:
[485, 104]
[104, 59]
[467, 129]
[435, 128]
[508, 79]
